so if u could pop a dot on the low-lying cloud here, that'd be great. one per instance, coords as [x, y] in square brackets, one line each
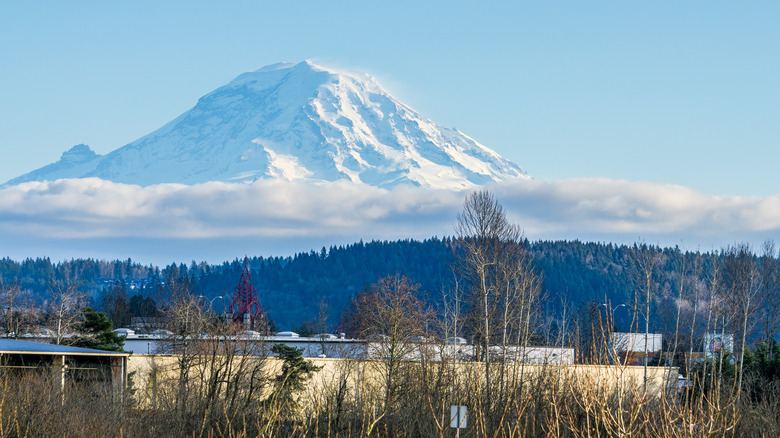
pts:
[67, 211]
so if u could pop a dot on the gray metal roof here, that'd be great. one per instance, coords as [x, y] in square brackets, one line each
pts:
[12, 346]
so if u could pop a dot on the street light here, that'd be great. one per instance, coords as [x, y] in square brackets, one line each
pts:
[211, 302]
[613, 310]
[612, 322]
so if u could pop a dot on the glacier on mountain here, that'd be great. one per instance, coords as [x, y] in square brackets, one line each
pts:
[294, 122]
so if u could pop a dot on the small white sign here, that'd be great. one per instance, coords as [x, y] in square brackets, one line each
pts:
[458, 416]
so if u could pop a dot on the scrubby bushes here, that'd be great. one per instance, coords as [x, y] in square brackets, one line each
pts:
[235, 396]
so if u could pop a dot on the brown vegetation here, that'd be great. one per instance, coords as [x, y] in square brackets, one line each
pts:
[236, 397]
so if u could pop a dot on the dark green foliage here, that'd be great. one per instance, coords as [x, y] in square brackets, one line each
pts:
[142, 306]
[306, 328]
[296, 371]
[762, 371]
[94, 323]
[761, 383]
[716, 376]
[764, 360]
[291, 288]
[93, 275]
[116, 303]
[95, 332]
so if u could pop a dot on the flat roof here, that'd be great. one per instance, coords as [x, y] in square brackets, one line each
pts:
[13, 346]
[248, 337]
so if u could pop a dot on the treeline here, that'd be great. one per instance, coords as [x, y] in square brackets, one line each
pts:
[295, 289]
[291, 289]
[37, 275]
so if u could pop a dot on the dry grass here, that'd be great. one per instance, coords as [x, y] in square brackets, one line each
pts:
[222, 398]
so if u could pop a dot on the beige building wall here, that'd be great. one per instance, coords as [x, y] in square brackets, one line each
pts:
[151, 370]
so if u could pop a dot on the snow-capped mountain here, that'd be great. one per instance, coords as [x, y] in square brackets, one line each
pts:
[296, 122]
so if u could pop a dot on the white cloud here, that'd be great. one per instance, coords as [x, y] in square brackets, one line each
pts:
[624, 207]
[588, 209]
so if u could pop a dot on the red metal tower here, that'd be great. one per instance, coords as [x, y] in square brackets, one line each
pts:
[245, 303]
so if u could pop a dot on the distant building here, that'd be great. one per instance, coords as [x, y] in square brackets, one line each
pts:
[338, 346]
[715, 343]
[631, 347]
[147, 324]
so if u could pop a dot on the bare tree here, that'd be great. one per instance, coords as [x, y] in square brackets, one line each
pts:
[323, 311]
[691, 336]
[742, 282]
[396, 321]
[713, 286]
[186, 318]
[64, 306]
[769, 292]
[452, 301]
[496, 268]
[519, 290]
[18, 309]
[483, 231]
[183, 309]
[645, 260]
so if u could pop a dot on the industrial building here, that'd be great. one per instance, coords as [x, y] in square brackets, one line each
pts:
[71, 364]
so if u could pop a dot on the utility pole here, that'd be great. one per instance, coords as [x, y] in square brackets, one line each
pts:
[612, 322]
[611, 326]
[647, 334]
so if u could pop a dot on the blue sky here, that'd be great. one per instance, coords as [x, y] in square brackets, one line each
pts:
[665, 92]
[630, 97]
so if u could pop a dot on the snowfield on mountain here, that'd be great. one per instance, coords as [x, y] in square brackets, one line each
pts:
[295, 122]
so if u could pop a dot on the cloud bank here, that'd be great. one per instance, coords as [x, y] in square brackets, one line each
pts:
[211, 218]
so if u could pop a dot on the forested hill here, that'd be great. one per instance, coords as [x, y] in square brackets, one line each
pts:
[294, 289]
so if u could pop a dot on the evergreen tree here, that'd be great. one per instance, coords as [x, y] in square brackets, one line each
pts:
[95, 332]
[295, 372]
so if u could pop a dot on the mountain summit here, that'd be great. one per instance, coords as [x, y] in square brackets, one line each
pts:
[295, 122]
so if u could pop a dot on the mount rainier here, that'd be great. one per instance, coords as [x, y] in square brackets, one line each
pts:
[294, 122]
